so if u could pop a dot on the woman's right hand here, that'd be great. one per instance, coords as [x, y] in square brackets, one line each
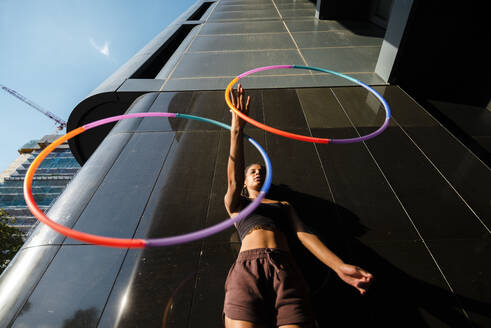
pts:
[355, 276]
[238, 102]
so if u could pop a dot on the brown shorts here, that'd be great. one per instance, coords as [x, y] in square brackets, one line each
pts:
[266, 286]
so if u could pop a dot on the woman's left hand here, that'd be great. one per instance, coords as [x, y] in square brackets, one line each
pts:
[355, 276]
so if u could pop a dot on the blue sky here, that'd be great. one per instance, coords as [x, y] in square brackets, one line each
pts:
[56, 52]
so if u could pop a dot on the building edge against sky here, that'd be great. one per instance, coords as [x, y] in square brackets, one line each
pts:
[180, 70]
[423, 38]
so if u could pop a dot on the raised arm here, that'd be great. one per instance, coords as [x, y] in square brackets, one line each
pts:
[235, 167]
[352, 275]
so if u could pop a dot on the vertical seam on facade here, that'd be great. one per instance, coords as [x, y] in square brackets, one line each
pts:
[149, 107]
[264, 120]
[137, 225]
[187, 48]
[112, 287]
[65, 238]
[337, 212]
[443, 126]
[213, 176]
[202, 242]
[291, 36]
[404, 209]
[179, 60]
[136, 228]
[443, 176]
[316, 149]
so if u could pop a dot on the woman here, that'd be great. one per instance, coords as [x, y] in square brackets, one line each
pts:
[265, 287]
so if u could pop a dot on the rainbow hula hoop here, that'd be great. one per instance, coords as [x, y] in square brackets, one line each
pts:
[139, 243]
[298, 136]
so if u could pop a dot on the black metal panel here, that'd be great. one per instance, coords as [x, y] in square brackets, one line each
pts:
[20, 278]
[121, 198]
[154, 288]
[384, 205]
[356, 182]
[450, 79]
[79, 193]
[467, 268]
[342, 9]
[459, 166]
[153, 65]
[74, 289]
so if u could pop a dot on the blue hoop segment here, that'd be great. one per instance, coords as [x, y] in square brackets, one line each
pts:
[298, 136]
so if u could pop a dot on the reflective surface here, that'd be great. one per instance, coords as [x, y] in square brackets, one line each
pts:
[282, 32]
[407, 207]
[412, 205]
[242, 42]
[154, 288]
[75, 293]
[334, 39]
[214, 28]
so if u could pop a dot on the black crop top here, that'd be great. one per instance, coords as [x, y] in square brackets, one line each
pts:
[267, 215]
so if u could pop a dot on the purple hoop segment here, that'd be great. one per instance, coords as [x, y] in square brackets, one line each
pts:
[140, 243]
[306, 138]
[185, 238]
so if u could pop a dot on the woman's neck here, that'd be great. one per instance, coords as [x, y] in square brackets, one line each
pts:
[252, 193]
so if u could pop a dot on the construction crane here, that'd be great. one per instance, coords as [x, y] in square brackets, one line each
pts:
[61, 123]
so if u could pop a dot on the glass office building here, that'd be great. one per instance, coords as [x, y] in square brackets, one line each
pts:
[411, 206]
[50, 180]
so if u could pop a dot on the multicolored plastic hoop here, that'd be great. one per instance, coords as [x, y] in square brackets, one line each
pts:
[139, 243]
[298, 136]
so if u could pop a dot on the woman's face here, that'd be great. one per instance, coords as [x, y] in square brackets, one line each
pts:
[254, 177]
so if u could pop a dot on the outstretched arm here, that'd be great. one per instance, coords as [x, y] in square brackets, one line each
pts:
[235, 166]
[352, 275]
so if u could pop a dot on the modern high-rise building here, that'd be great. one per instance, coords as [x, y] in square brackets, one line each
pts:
[52, 176]
[412, 205]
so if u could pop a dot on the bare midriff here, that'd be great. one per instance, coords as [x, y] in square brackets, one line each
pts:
[264, 238]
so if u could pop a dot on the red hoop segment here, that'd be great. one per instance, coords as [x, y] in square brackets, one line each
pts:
[264, 126]
[93, 239]
[303, 137]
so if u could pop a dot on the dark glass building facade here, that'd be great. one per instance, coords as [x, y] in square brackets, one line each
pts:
[411, 206]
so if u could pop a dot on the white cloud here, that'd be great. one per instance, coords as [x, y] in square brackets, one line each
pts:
[102, 49]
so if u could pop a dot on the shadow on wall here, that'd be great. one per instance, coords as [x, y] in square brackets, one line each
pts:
[364, 28]
[395, 299]
[445, 68]
[82, 319]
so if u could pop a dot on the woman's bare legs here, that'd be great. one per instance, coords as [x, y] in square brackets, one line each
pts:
[229, 323]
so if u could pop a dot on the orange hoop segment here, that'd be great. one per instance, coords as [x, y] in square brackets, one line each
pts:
[93, 239]
[302, 137]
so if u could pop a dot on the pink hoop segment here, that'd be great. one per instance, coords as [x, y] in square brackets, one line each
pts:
[138, 243]
[303, 137]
